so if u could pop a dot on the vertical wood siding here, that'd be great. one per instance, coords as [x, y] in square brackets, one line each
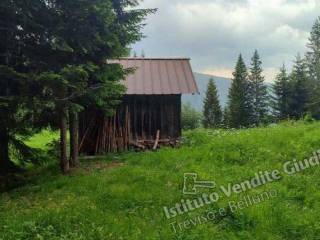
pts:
[139, 117]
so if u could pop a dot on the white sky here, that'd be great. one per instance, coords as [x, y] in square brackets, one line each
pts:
[213, 32]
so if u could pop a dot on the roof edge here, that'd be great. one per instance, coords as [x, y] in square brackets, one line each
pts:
[147, 58]
[194, 80]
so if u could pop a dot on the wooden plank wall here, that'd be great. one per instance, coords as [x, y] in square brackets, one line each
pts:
[139, 117]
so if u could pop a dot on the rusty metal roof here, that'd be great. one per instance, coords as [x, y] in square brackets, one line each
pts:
[158, 76]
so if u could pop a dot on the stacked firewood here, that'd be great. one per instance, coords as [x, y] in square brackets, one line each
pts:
[113, 134]
[143, 144]
[105, 134]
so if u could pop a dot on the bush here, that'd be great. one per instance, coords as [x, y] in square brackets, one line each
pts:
[308, 118]
[191, 118]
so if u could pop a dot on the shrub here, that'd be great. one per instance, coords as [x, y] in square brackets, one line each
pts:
[191, 118]
[307, 118]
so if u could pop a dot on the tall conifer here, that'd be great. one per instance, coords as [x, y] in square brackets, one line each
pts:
[299, 89]
[212, 114]
[313, 67]
[281, 95]
[21, 31]
[239, 105]
[258, 93]
[63, 47]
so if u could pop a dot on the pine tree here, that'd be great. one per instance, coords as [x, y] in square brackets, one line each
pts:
[299, 89]
[313, 65]
[53, 62]
[212, 114]
[281, 95]
[239, 105]
[21, 30]
[258, 93]
[62, 89]
[75, 72]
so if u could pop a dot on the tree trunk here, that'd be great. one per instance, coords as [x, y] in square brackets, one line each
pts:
[4, 152]
[74, 139]
[64, 163]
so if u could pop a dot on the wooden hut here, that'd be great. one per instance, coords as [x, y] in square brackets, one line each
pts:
[150, 113]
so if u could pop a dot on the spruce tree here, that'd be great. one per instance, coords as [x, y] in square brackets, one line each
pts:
[212, 114]
[21, 31]
[101, 30]
[53, 63]
[299, 89]
[313, 67]
[64, 45]
[258, 93]
[281, 95]
[239, 108]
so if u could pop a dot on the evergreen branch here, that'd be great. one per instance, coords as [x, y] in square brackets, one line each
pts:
[75, 95]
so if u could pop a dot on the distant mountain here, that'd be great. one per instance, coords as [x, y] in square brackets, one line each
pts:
[196, 101]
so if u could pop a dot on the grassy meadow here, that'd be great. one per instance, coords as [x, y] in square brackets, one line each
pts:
[121, 196]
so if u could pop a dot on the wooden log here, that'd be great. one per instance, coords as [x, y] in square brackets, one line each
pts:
[103, 143]
[86, 132]
[96, 151]
[153, 141]
[138, 145]
[109, 134]
[157, 140]
[114, 135]
[127, 129]
[129, 133]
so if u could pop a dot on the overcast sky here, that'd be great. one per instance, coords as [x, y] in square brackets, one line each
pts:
[213, 32]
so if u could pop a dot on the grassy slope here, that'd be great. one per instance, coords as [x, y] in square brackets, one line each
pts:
[125, 201]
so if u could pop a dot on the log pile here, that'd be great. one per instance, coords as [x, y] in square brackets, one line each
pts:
[154, 144]
[140, 122]
[110, 134]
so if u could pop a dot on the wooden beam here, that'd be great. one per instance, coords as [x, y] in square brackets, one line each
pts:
[138, 145]
[157, 140]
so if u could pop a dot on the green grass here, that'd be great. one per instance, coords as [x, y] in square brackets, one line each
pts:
[41, 140]
[123, 195]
